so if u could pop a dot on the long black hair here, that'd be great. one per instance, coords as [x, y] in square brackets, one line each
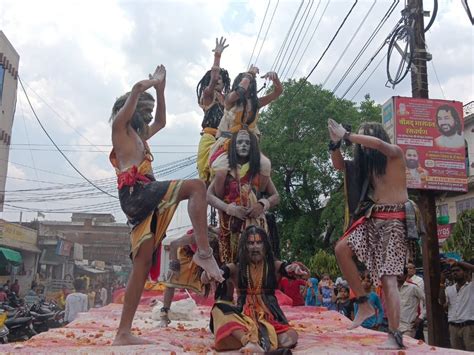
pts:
[370, 162]
[206, 79]
[269, 277]
[454, 114]
[138, 123]
[251, 94]
[254, 154]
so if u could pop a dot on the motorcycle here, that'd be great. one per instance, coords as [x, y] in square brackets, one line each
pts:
[3, 328]
[19, 324]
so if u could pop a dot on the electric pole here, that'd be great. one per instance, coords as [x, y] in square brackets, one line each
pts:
[430, 245]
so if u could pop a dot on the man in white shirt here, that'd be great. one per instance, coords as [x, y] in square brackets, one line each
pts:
[76, 302]
[411, 296]
[103, 296]
[459, 300]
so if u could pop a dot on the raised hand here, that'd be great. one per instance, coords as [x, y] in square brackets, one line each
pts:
[271, 75]
[159, 77]
[336, 131]
[220, 46]
[297, 269]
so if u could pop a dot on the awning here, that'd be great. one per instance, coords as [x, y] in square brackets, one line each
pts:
[91, 270]
[11, 256]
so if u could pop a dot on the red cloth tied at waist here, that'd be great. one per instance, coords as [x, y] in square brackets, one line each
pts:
[131, 177]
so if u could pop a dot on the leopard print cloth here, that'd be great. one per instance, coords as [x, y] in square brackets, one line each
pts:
[381, 244]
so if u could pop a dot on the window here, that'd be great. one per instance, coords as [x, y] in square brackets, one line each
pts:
[2, 74]
[464, 205]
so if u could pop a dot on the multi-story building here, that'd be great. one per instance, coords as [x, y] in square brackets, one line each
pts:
[9, 61]
[451, 204]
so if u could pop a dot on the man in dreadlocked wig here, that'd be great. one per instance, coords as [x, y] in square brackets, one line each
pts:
[211, 91]
[241, 112]
[384, 222]
[149, 204]
[256, 323]
[241, 195]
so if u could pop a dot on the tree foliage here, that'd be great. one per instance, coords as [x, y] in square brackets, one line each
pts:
[324, 263]
[295, 138]
[462, 236]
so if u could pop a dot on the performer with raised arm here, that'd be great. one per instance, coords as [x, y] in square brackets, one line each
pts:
[211, 91]
[241, 111]
[239, 194]
[256, 323]
[150, 204]
[380, 236]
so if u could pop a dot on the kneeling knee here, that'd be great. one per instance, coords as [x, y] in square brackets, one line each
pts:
[289, 339]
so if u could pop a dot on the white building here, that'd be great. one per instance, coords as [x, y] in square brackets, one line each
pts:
[9, 60]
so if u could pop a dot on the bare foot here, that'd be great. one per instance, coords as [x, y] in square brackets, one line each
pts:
[365, 311]
[164, 321]
[252, 348]
[210, 266]
[129, 339]
[390, 344]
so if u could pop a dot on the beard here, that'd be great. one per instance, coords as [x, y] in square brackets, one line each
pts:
[412, 164]
[447, 130]
[139, 123]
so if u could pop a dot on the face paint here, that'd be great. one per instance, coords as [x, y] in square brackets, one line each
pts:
[243, 144]
[255, 247]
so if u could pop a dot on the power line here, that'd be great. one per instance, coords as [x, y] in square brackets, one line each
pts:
[333, 38]
[349, 43]
[280, 51]
[258, 36]
[266, 33]
[304, 36]
[52, 141]
[367, 43]
[370, 75]
[311, 38]
[307, 12]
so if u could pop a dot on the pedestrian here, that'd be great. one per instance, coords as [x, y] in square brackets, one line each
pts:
[16, 288]
[312, 291]
[344, 304]
[327, 294]
[458, 299]
[411, 297]
[76, 302]
[375, 321]
[103, 295]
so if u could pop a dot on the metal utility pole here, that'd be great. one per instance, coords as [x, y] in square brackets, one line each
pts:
[426, 201]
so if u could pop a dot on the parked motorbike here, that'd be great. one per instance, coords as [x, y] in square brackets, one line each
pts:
[19, 323]
[3, 328]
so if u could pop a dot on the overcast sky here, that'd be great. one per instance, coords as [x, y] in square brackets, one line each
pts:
[76, 57]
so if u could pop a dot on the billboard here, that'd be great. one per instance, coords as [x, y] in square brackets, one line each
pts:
[430, 132]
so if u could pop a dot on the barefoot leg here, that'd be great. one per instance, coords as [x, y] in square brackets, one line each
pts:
[392, 301]
[167, 299]
[195, 192]
[136, 282]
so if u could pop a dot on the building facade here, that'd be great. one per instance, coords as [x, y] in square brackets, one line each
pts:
[9, 61]
[450, 204]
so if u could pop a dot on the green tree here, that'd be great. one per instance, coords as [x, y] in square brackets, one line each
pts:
[324, 263]
[462, 236]
[294, 136]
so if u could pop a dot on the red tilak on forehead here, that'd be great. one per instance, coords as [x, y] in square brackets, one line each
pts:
[255, 238]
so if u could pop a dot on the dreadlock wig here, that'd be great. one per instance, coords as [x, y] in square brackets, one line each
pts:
[254, 155]
[251, 94]
[139, 120]
[213, 115]
[370, 162]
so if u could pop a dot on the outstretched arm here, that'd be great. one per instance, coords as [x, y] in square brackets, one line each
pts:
[160, 116]
[277, 89]
[390, 150]
[208, 93]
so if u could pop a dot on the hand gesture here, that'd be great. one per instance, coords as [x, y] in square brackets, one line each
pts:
[159, 77]
[297, 269]
[220, 46]
[255, 211]
[271, 75]
[236, 211]
[336, 131]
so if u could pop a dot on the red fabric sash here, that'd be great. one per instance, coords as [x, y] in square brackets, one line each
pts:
[130, 177]
[379, 215]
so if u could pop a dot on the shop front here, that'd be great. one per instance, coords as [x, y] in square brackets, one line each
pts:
[19, 254]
